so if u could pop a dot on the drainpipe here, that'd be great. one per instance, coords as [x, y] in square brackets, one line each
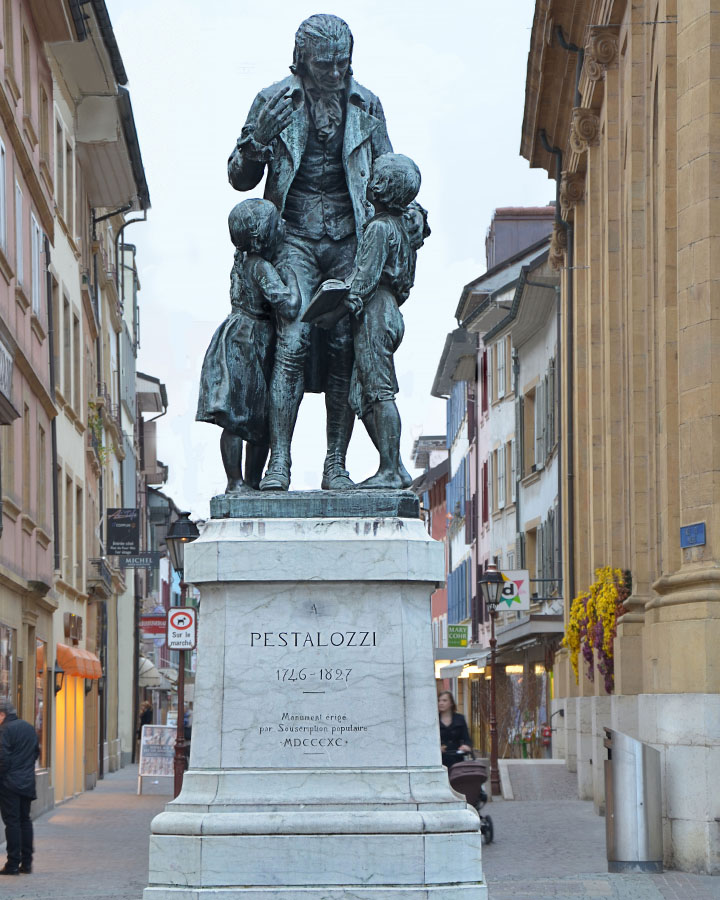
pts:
[53, 423]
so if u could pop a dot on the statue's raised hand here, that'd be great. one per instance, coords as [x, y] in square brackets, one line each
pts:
[273, 117]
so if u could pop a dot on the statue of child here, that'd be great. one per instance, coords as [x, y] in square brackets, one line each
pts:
[380, 283]
[238, 363]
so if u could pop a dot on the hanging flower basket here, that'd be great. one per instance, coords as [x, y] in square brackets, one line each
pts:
[593, 624]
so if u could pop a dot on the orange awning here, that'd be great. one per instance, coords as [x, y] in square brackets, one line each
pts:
[74, 661]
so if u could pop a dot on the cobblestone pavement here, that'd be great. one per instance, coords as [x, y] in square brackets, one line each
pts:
[95, 846]
[556, 849]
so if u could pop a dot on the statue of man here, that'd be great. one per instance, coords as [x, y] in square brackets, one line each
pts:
[317, 132]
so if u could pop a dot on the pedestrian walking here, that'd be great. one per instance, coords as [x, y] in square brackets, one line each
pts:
[454, 734]
[19, 749]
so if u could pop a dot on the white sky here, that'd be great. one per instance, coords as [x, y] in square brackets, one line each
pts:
[451, 77]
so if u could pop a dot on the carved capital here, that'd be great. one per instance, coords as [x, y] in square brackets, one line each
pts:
[572, 189]
[584, 129]
[558, 246]
[601, 52]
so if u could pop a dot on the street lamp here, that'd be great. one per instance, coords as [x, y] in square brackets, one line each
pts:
[491, 584]
[181, 532]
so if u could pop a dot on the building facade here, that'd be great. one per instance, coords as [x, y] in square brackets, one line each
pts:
[620, 109]
[70, 173]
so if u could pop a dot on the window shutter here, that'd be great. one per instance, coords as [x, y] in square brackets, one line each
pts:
[520, 432]
[539, 425]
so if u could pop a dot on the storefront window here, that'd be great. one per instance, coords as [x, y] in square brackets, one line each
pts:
[41, 693]
[7, 660]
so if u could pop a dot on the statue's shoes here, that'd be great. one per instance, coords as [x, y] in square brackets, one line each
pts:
[276, 479]
[391, 482]
[336, 479]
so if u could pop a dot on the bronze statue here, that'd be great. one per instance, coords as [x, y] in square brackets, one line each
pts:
[317, 133]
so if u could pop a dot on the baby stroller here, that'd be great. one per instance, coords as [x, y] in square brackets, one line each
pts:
[468, 778]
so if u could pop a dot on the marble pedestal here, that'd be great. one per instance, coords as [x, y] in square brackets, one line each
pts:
[315, 767]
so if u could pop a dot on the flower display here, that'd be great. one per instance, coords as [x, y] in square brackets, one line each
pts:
[592, 626]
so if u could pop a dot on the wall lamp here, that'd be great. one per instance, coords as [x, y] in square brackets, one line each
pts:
[59, 677]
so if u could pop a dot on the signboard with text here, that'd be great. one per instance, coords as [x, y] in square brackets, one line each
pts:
[181, 628]
[458, 635]
[123, 531]
[148, 560]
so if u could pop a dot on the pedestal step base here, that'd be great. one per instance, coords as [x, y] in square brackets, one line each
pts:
[329, 892]
[326, 865]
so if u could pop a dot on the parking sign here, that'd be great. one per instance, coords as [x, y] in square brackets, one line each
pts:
[182, 628]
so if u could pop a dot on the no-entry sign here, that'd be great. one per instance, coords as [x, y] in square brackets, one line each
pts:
[181, 628]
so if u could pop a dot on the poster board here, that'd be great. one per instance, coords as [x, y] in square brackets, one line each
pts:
[157, 752]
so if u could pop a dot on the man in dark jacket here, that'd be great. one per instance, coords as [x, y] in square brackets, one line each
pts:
[19, 750]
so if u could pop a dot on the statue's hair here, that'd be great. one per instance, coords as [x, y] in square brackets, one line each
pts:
[402, 179]
[321, 27]
[251, 224]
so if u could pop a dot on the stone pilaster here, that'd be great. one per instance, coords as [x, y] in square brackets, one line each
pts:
[685, 618]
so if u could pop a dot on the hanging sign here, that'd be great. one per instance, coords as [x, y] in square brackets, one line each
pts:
[516, 591]
[123, 532]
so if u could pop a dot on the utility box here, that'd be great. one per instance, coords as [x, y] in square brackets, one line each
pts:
[633, 812]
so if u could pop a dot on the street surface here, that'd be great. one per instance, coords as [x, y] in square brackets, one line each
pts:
[555, 849]
[96, 846]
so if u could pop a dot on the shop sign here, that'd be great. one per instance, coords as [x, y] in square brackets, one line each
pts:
[151, 626]
[458, 635]
[149, 560]
[181, 628]
[123, 532]
[72, 628]
[516, 591]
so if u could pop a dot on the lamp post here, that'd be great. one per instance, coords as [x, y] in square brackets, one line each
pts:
[181, 532]
[491, 583]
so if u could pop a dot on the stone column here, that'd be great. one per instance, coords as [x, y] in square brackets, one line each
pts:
[682, 631]
[315, 764]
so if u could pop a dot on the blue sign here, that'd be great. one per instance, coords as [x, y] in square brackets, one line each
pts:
[692, 535]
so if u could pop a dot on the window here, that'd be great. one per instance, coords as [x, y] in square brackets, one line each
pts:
[76, 363]
[500, 379]
[540, 423]
[7, 661]
[41, 481]
[512, 468]
[69, 525]
[55, 301]
[59, 167]
[3, 198]
[27, 478]
[7, 435]
[42, 674]
[44, 114]
[484, 377]
[19, 269]
[36, 250]
[69, 172]
[528, 432]
[485, 493]
[67, 350]
[500, 478]
[26, 82]
[8, 34]
[79, 523]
